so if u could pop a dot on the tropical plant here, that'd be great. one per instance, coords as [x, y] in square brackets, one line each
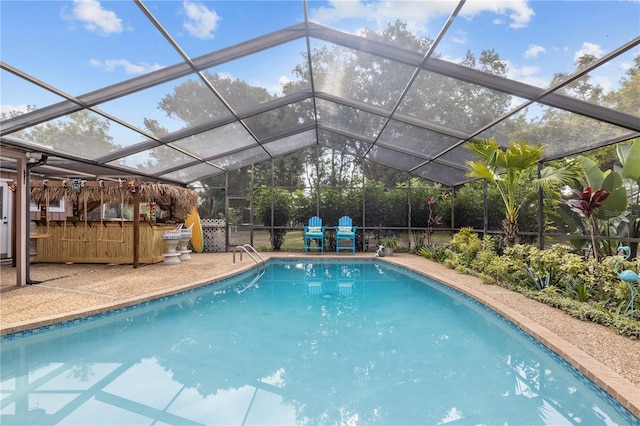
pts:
[508, 169]
[432, 220]
[467, 244]
[420, 192]
[629, 156]
[391, 242]
[538, 282]
[619, 215]
[575, 289]
[485, 258]
[555, 276]
[587, 204]
[437, 253]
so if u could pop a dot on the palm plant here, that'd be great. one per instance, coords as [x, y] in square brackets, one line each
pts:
[508, 169]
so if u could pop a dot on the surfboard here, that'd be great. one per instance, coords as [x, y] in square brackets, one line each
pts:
[197, 237]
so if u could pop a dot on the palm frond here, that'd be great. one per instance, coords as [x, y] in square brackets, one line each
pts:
[569, 173]
[485, 149]
[481, 171]
[520, 155]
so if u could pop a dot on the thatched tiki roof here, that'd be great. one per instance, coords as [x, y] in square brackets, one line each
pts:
[93, 195]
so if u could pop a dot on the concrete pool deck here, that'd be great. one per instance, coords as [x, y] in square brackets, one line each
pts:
[69, 291]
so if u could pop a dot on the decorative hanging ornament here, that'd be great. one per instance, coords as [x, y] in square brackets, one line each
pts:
[131, 185]
[101, 183]
[76, 185]
[13, 186]
[152, 210]
[45, 183]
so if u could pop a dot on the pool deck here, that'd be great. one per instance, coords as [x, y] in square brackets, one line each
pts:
[69, 291]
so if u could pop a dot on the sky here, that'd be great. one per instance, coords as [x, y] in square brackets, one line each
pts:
[80, 46]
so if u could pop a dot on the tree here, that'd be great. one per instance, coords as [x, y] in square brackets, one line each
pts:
[582, 88]
[281, 201]
[380, 82]
[193, 103]
[508, 168]
[83, 133]
[626, 98]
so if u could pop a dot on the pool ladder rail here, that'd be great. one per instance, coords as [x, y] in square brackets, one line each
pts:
[260, 262]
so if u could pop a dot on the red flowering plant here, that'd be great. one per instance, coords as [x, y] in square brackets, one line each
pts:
[587, 204]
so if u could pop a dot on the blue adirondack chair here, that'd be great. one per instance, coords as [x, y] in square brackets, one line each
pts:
[314, 231]
[346, 231]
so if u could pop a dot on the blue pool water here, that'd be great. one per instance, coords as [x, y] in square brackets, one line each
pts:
[310, 343]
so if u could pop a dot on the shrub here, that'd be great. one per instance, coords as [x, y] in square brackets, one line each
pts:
[581, 287]
[437, 253]
[468, 244]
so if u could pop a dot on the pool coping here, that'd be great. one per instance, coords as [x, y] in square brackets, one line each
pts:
[51, 320]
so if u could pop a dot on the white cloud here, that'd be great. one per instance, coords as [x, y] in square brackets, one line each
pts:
[7, 108]
[455, 60]
[340, 10]
[588, 49]
[382, 12]
[201, 22]
[417, 15]
[518, 11]
[274, 89]
[128, 67]
[526, 74]
[626, 65]
[95, 18]
[277, 89]
[604, 82]
[534, 51]
[284, 80]
[460, 37]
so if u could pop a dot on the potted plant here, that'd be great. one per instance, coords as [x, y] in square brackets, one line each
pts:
[390, 244]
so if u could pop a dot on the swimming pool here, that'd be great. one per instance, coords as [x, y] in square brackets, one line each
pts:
[337, 342]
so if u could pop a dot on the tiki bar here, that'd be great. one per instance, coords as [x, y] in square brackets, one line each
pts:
[106, 222]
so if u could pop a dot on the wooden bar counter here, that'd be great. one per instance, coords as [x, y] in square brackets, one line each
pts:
[98, 242]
